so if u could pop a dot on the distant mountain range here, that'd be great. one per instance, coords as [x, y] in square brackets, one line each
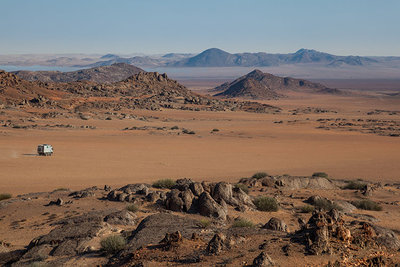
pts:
[104, 74]
[215, 57]
[258, 85]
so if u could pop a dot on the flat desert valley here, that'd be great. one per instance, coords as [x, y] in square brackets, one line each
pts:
[245, 143]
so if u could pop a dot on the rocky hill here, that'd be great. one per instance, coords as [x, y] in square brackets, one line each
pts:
[259, 85]
[104, 74]
[145, 90]
[14, 90]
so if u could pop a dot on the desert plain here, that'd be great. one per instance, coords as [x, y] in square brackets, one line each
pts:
[352, 137]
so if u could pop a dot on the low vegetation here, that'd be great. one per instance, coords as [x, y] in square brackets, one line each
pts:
[355, 185]
[306, 209]
[5, 196]
[320, 174]
[205, 223]
[215, 130]
[367, 204]
[259, 175]
[325, 204]
[266, 204]
[113, 244]
[243, 187]
[61, 189]
[242, 222]
[164, 183]
[174, 127]
[132, 208]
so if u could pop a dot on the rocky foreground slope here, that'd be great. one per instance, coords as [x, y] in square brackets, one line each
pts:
[259, 85]
[259, 221]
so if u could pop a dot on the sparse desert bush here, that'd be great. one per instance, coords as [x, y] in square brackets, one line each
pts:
[242, 222]
[205, 223]
[367, 204]
[61, 189]
[259, 175]
[266, 204]
[164, 183]
[243, 187]
[5, 196]
[174, 127]
[113, 244]
[215, 130]
[355, 185]
[320, 174]
[306, 209]
[325, 204]
[132, 208]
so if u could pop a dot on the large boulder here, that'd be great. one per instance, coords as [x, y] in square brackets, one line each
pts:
[179, 200]
[68, 239]
[276, 224]
[242, 198]
[153, 228]
[223, 191]
[123, 217]
[207, 206]
[174, 202]
[386, 237]
[196, 188]
[299, 182]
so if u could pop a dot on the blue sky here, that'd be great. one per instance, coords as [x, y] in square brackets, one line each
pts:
[344, 27]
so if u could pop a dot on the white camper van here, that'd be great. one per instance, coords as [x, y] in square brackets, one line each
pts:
[45, 150]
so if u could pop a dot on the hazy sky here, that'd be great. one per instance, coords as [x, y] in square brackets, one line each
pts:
[344, 27]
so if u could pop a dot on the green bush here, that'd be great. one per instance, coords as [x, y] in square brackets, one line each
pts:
[174, 127]
[132, 208]
[205, 223]
[320, 174]
[355, 185]
[164, 183]
[266, 204]
[325, 204]
[215, 130]
[243, 187]
[113, 244]
[306, 209]
[259, 175]
[5, 196]
[367, 204]
[241, 222]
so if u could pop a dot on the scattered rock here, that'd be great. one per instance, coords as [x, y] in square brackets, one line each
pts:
[171, 241]
[263, 260]
[216, 244]
[58, 202]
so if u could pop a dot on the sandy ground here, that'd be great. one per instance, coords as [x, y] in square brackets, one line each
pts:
[245, 143]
